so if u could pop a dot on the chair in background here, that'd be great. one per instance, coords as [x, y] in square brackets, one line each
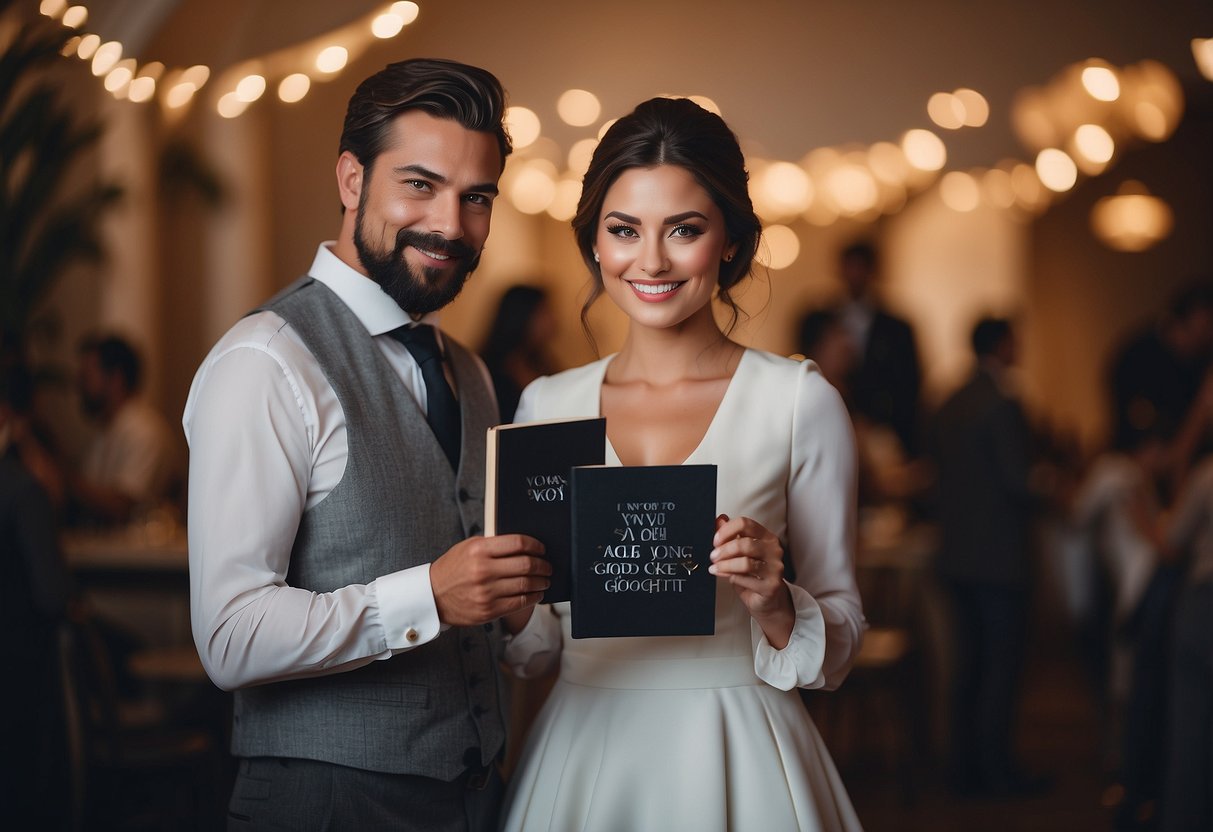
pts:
[132, 765]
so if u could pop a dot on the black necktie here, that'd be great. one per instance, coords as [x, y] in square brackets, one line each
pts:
[442, 410]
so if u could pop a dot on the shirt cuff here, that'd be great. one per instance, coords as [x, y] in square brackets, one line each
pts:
[799, 664]
[534, 649]
[406, 607]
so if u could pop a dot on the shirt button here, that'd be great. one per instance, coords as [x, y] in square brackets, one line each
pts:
[411, 634]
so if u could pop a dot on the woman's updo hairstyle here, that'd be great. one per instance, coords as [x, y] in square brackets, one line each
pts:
[673, 131]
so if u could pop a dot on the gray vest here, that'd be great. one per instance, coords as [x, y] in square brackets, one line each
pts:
[434, 710]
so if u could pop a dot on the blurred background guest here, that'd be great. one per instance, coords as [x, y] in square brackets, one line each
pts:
[132, 463]
[981, 448]
[1156, 375]
[885, 379]
[516, 349]
[33, 601]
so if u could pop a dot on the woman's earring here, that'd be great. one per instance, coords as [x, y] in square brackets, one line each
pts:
[595, 257]
[728, 258]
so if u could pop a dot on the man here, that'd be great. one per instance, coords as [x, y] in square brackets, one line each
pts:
[982, 453]
[337, 582]
[132, 463]
[884, 383]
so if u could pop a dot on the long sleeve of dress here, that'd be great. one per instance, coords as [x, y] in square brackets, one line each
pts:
[821, 542]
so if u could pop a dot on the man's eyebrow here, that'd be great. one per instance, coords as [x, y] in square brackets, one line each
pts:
[434, 176]
[421, 170]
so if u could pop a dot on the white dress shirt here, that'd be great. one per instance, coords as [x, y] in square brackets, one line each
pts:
[267, 441]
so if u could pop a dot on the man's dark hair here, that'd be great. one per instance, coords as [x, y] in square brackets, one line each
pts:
[862, 251]
[471, 96]
[1194, 297]
[115, 355]
[989, 334]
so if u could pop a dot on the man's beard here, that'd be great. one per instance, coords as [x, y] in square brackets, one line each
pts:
[416, 294]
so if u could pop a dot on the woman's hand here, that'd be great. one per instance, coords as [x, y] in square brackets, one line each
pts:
[751, 558]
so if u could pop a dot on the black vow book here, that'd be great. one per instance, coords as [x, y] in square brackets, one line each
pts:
[641, 540]
[526, 484]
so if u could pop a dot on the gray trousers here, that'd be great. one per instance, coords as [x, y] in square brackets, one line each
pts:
[275, 793]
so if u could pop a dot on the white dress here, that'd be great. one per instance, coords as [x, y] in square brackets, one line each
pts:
[707, 733]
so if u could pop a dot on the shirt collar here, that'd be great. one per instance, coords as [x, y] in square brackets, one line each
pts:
[369, 303]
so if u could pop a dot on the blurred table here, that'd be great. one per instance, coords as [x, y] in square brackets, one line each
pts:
[136, 576]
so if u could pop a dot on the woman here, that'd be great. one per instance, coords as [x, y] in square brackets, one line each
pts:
[696, 733]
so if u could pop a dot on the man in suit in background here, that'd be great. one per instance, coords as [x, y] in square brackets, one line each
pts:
[884, 384]
[981, 448]
[338, 583]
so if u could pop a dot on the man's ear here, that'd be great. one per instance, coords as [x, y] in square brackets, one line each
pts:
[349, 180]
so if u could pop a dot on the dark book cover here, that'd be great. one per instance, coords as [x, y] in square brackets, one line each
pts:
[641, 540]
[526, 485]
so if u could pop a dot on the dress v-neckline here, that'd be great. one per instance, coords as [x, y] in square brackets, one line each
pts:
[613, 458]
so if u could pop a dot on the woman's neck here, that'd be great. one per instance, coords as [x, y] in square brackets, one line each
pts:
[694, 350]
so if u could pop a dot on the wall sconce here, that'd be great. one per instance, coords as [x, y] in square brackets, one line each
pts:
[1132, 219]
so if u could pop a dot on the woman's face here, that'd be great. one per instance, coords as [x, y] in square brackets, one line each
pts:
[660, 242]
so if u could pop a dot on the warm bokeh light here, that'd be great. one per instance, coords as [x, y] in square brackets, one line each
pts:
[578, 107]
[852, 189]
[1030, 119]
[606, 125]
[1202, 52]
[387, 25]
[88, 47]
[119, 77]
[564, 203]
[153, 70]
[946, 110]
[924, 150]
[580, 154]
[1100, 82]
[406, 11]
[1029, 192]
[197, 75]
[250, 88]
[779, 248]
[70, 46]
[532, 190]
[1155, 98]
[230, 105]
[1132, 219]
[52, 8]
[106, 57]
[522, 125]
[142, 89]
[75, 17]
[707, 103]
[786, 188]
[976, 108]
[1056, 169]
[1094, 143]
[332, 59]
[959, 191]
[997, 188]
[888, 163]
[294, 87]
[179, 94]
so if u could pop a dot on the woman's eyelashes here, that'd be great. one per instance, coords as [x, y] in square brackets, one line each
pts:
[681, 231]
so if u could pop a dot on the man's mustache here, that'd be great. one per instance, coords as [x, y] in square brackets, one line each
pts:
[435, 243]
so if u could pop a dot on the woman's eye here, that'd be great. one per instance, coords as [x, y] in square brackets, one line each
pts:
[685, 231]
[622, 231]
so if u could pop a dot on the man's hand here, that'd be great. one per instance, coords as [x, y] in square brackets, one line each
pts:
[483, 578]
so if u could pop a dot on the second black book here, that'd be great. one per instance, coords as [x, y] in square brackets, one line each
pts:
[641, 540]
